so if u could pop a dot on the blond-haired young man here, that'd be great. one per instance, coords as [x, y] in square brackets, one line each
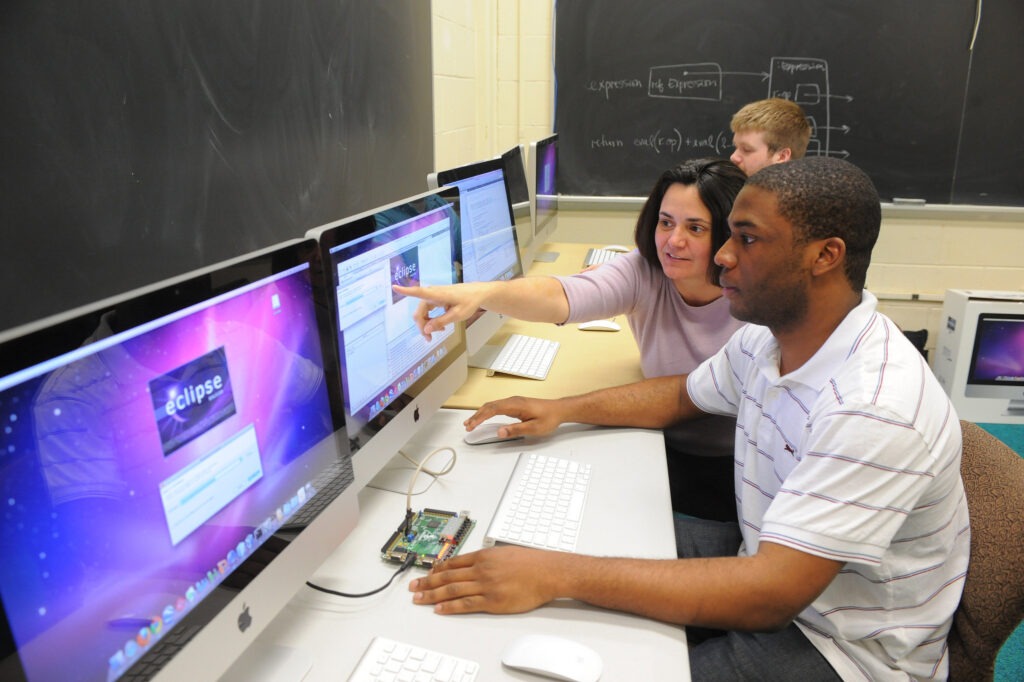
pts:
[769, 131]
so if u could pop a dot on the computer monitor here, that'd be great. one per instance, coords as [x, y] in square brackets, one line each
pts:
[490, 250]
[393, 379]
[542, 175]
[152, 445]
[514, 164]
[997, 360]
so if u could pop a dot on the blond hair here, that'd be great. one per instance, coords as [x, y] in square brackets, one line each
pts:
[783, 123]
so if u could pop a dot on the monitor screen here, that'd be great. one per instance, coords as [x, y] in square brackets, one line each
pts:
[152, 446]
[489, 242]
[544, 170]
[393, 379]
[514, 164]
[997, 359]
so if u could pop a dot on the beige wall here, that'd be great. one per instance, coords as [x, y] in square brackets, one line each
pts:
[493, 88]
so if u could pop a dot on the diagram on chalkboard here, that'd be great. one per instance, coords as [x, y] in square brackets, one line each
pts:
[803, 80]
[920, 95]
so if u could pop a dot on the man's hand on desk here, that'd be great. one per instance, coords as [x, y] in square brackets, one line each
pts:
[763, 592]
[497, 580]
[537, 417]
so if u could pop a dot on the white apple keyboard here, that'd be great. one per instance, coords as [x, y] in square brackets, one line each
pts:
[542, 505]
[597, 256]
[387, 660]
[524, 356]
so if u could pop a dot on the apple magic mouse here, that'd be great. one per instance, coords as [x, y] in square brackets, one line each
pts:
[553, 656]
[600, 326]
[487, 432]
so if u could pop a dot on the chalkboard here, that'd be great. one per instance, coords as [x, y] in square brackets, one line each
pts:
[891, 85]
[143, 139]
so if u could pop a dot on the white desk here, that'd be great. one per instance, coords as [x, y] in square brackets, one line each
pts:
[628, 513]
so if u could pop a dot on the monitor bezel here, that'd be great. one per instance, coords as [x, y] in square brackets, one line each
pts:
[528, 243]
[372, 447]
[537, 148]
[484, 324]
[259, 587]
[989, 388]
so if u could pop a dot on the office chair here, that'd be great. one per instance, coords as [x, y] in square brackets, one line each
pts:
[919, 338]
[992, 605]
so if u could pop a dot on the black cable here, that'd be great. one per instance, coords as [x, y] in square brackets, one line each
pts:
[410, 559]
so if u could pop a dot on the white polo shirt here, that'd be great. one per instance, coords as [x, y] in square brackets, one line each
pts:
[855, 456]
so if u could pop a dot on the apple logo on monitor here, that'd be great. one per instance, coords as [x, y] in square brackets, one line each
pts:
[416, 413]
[244, 619]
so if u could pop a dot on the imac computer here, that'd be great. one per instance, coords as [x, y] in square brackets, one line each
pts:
[393, 379]
[489, 240]
[152, 446]
[541, 176]
[513, 161]
[997, 361]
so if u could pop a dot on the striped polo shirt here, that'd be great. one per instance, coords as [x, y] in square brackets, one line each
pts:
[855, 456]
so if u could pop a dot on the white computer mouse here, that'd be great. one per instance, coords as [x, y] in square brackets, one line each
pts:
[553, 656]
[487, 432]
[600, 326]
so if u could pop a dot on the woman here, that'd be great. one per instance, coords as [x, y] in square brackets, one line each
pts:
[668, 290]
[668, 287]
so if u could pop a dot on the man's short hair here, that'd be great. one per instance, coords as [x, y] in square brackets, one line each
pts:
[827, 197]
[782, 122]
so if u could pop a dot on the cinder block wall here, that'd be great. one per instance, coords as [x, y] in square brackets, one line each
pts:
[493, 77]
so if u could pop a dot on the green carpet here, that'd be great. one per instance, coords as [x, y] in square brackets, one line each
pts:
[1010, 661]
[1011, 434]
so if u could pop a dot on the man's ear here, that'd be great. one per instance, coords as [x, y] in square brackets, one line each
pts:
[783, 155]
[831, 255]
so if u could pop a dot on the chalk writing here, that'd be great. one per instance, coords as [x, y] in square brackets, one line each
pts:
[605, 87]
[805, 80]
[604, 142]
[658, 142]
[791, 67]
[686, 81]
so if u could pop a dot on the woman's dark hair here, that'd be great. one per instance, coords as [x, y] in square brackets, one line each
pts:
[718, 181]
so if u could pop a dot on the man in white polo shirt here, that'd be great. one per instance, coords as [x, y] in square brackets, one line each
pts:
[854, 523]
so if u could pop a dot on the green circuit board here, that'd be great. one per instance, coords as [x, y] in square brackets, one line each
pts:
[431, 535]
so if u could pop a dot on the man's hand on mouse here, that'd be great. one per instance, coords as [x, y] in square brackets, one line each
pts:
[496, 580]
[537, 417]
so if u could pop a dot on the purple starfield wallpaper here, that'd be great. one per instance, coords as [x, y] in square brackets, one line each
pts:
[999, 351]
[135, 477]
